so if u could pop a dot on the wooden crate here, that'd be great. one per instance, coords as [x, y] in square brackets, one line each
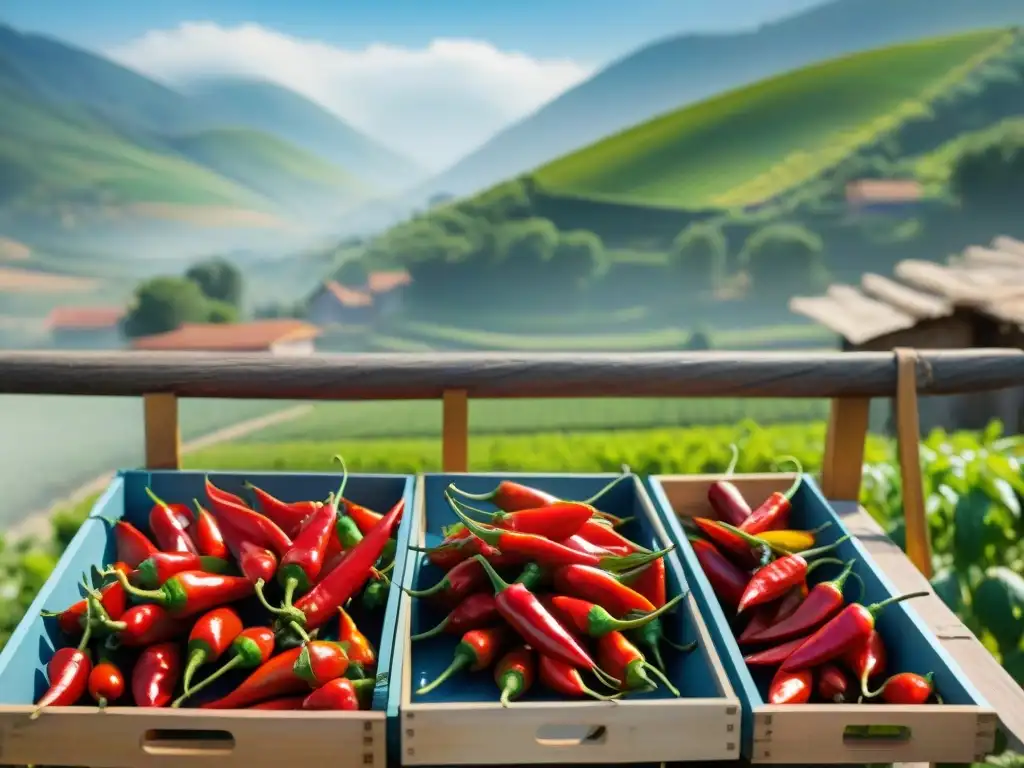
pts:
[464, 725]
[162, 738]
[962, 730]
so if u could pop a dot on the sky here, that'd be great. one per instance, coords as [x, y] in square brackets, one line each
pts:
[432, 79]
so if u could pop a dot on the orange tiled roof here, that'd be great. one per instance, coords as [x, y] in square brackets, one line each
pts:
[348, 297]
[883, 190]
[257, 336]
[84, 318]
[382, 282]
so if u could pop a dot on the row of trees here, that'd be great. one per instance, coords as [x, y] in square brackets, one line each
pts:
[209, 292]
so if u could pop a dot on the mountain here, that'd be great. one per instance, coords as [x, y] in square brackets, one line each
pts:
[672, 73]
[147, 112]
[273, 168]
[281, 112]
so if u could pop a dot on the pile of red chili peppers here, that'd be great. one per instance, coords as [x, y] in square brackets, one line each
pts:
[802, 631]
[223, 604]
[550, 591]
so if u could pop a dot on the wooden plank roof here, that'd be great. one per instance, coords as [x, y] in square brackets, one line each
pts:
[985, 279]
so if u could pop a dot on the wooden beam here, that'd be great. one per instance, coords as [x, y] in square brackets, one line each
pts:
[500, 375]
[455, 431]
[163, 436]
[908, 436]
[843, 464]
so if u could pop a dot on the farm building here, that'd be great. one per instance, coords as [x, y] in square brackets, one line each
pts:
[975, 300]
[883, 195]
[85, 327]
[336, 304]
[277, 337]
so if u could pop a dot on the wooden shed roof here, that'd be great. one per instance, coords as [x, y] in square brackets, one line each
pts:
[989, 280]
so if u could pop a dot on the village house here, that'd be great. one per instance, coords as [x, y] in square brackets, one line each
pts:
[85, 327]
[883, 195]
[975, 300]
[276, 337]
[337, 304]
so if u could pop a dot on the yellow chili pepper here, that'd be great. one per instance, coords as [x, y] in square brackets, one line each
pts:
[788, 541]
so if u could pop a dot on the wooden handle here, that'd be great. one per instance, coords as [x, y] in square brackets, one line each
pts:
[843, 464]
[163, 435]
[455, 431]
[908, 435]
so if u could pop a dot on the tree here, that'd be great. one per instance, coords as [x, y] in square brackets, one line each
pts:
[163, 304]
[785, 257]
[527, 244]
[699, 253]
[579, 255]
[353, 273]
[218, 279]
[221, 312]
[700, 340]
[990, 174]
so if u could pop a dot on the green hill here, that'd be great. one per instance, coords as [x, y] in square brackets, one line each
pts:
[270, 166]
[751, 144]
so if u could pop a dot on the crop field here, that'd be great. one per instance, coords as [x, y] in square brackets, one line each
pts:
[751, 144]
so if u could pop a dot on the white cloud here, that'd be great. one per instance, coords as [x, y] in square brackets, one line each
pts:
[434, 104]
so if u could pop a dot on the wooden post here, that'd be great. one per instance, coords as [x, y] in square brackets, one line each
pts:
[843, 464]
[163, 437]
[908, 436]
[455, 431]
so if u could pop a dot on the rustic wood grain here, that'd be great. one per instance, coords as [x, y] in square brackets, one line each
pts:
[498, 375]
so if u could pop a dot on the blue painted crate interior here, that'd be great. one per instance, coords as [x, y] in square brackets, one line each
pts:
[910, 646]
[431, 656]
[21, 673]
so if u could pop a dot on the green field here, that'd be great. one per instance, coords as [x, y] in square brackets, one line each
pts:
[751, 144]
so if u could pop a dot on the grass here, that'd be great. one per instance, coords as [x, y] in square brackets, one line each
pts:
[751, 144]
[936, 167]
[442, 336]
[405, 419]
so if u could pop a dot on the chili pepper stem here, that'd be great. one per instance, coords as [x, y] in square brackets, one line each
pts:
[195, 661]
[458, 663]
[428, 592]
[289, 612]
[344, 476]
[232, 664]
[685, 648]
[875, 608]
[155, 595]
[799, 475]
[299, 631]
[661, 676]
[614, 699]
[734, 461]
[156, 499]
[824, 561]
[647, 618]
[434, 632]
[290, 585]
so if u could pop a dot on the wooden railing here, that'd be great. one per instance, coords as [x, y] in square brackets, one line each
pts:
[850, 380]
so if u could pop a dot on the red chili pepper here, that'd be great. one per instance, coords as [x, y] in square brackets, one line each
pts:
[514, 674]
[765, 616]
[603, 534]
[602, 588]
[271, 680]
[738, 549]
[113, 601]
[285, 703]
[156, 674]
[320, 662]
[106, 683]
[866, 660]
[251, 649]
[727, 580]
[547, 552]
[288, 516]
[69, 671]
[541, 631]
[773, 514]
[773, 657]
[322, 602]
[566, 679]
[364, 518]
[477, 650]
[557, 521]
[791, 687]
[256, 563]
[131, 544]
[211, 636]
[330, 563]
[169, 525]
[338, 695]
[458, 548]
[514, 497]
[625, 663]
[594, 621]
[148, 624]
[908, 688]
[207, 535]
[822, 603]
[580, 544]
[360, 649]
[726, 499]
[191, 592]
[843, 632]
[231, 498]
[833, 684]
[156, 569]
[475, 612]
[247, 524]
[459, 583]
[300, 565]
[650, 581]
